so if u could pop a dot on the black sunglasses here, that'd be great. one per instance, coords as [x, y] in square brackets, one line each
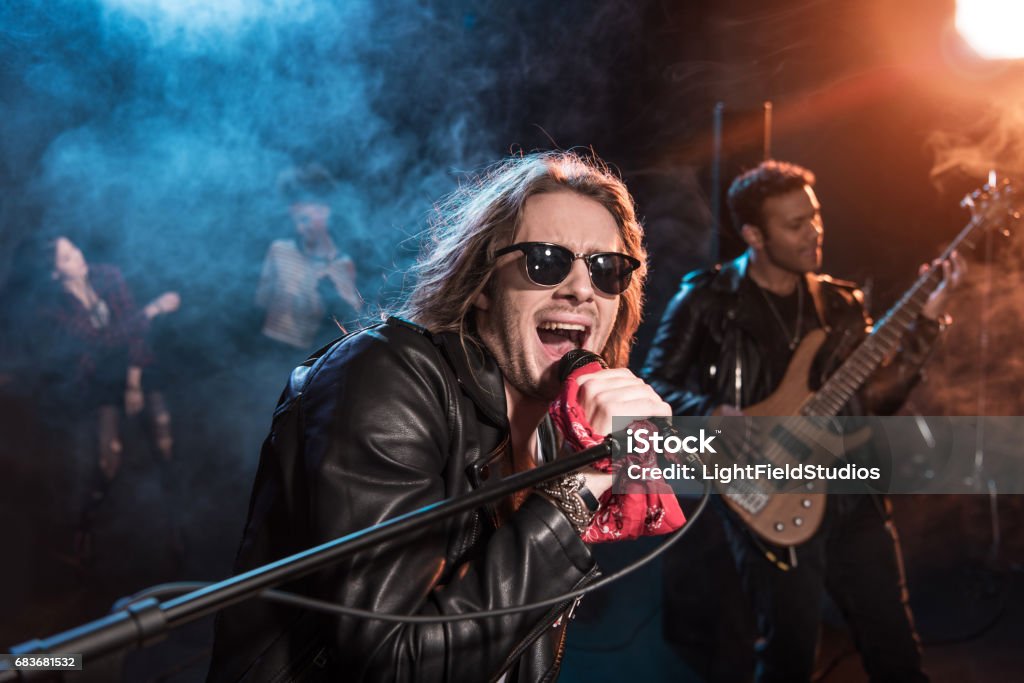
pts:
[548, 265]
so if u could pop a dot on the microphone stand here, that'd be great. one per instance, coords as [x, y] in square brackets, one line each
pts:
[146, 622]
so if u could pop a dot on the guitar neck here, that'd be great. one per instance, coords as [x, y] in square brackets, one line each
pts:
[884, 339]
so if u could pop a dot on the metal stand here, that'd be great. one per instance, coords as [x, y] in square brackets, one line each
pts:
[146, 622]
[979, 479]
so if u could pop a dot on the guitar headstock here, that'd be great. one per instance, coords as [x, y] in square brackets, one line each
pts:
[994, 206]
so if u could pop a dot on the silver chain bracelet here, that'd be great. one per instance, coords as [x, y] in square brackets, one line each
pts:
[564, 492]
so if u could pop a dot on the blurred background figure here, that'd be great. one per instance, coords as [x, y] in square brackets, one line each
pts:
[95, 365]
[306, 279]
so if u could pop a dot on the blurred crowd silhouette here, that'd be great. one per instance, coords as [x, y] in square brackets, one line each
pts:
[129, 460]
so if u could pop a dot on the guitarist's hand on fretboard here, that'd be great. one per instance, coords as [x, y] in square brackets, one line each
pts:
[953, 270]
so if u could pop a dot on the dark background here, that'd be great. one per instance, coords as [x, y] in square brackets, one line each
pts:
[152, 132]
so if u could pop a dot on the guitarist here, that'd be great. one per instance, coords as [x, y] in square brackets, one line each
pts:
[725, 342]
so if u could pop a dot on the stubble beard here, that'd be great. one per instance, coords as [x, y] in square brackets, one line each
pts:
[510, 352]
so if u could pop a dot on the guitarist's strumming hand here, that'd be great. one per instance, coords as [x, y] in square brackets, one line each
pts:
[953, 270]
[740, 444]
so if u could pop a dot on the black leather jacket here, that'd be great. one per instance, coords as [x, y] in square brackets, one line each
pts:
[707, 351]
[384, 422]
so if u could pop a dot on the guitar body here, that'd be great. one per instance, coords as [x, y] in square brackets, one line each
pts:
[789, 518]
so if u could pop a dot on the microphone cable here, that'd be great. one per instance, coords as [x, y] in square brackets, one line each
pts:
[305, 602]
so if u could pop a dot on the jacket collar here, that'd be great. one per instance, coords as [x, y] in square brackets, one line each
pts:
[732, 277]
[478, 374]
[731, 274]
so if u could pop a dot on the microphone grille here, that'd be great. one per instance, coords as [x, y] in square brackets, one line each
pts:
[576, 359]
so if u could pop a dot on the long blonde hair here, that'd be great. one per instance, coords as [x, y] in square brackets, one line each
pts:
[482, 216]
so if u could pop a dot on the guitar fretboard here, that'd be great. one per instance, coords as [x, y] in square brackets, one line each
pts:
[883, 340]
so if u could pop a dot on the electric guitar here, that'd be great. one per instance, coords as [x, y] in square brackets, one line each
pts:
[793, 426]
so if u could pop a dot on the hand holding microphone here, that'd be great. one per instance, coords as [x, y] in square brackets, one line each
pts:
[591, 396]
[606, 394]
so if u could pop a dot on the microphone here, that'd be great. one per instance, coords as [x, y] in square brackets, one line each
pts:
[576, 359]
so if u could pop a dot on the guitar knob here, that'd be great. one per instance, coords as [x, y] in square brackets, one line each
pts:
[798, 521]
[806, 503]
[779, 526]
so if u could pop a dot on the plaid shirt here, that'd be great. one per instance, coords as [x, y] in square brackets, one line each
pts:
[125, 330]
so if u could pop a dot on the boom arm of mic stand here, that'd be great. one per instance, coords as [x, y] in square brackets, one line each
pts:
[148, 621]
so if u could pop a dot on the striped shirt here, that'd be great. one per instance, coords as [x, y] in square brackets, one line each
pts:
[289, 291]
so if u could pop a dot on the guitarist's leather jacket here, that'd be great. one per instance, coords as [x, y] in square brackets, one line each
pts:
[382, 423]
[707, 351]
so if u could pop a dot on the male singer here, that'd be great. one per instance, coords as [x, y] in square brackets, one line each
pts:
[539, 256]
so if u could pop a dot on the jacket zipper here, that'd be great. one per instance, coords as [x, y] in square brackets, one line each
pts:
[474, 534]
[557, 664]
[545, 624]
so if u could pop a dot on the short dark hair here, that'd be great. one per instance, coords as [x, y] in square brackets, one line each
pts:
[311, 183]
[768, 179]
